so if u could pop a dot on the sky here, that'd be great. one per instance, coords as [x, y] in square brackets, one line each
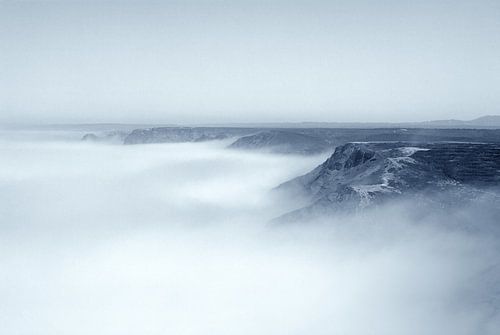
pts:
[248, 61]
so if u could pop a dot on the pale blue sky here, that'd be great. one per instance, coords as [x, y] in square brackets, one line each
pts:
[208, 61]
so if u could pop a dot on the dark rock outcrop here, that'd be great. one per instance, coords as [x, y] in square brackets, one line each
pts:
[363, 175]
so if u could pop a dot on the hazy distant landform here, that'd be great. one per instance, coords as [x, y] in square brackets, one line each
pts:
[305, 138]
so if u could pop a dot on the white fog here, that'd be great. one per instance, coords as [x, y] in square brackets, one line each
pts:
[177, 239]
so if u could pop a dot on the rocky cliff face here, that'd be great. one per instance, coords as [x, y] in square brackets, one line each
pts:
[361, 175]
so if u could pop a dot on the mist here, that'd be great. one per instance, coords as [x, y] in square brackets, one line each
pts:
[178, 239]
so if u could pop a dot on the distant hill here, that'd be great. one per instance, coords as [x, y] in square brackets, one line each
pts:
[487, 121]
[492, 121]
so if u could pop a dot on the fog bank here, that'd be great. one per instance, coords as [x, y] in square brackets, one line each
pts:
[176, 239]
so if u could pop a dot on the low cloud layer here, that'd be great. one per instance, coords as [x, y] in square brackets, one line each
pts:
[175, 239]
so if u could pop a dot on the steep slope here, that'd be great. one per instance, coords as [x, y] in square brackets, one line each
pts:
[361, 175]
